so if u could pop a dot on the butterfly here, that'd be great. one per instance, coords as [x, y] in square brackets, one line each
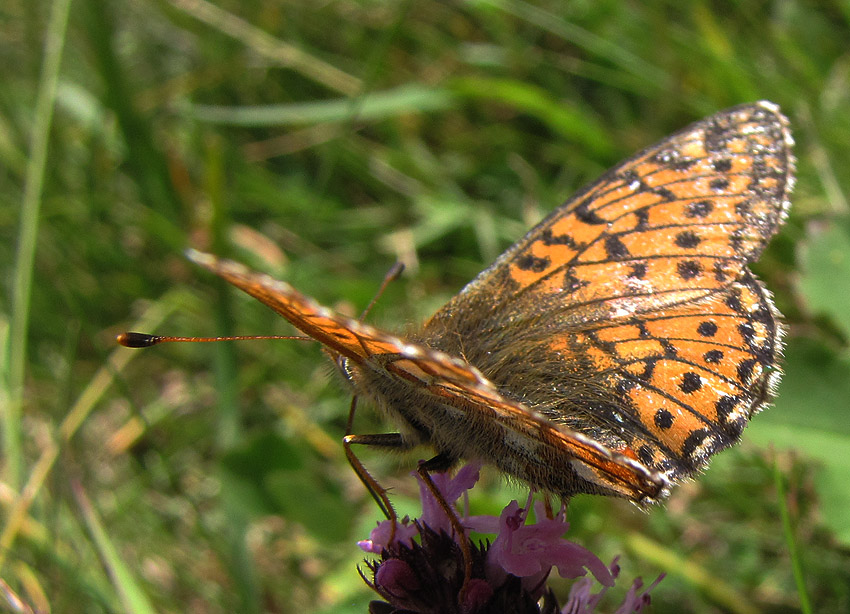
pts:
[612, 350]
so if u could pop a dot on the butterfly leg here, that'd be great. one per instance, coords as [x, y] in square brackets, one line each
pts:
[386, 440]
[440, 464]
[378, 492]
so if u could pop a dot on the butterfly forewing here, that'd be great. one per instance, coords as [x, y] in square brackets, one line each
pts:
[341, 335]
[434, 381]
[674, 223]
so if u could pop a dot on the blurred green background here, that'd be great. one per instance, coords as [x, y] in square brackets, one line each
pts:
[321, 142]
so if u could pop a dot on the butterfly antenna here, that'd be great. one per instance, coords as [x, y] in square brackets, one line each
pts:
[393, 274]
[144, 340]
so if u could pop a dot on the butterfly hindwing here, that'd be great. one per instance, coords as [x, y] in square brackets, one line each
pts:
[688, 377]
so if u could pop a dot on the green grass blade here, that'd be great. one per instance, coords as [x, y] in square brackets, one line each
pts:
[793, 552]
[370, 107]
[27, 233]
[130, 592]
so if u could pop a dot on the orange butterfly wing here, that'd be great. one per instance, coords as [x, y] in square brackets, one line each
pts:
[688, 377]
[598, 317]
[674, 223]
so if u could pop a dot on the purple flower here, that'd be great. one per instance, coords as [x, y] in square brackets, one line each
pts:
[529, 551]
[508, 576]
[433, 516]
[582, 601]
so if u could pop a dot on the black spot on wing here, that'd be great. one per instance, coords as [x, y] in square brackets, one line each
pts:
[713, 356]
[700, 208]
[687, 239]
[638, 270]
[723, 165]
[615, 248]
[586, 215]
[663, 419]
[550, 239]
[707, 329]
[530, 262]
[719, 184]
[691, 382]
[688, 269]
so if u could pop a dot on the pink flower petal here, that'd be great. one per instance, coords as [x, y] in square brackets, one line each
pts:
[379, 538]
[451, 489]
[527, 550]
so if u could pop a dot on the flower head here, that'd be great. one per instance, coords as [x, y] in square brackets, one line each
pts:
[426, 575]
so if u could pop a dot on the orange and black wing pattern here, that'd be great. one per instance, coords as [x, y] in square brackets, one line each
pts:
[687, 378]
[629, 314]
[676, 222]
